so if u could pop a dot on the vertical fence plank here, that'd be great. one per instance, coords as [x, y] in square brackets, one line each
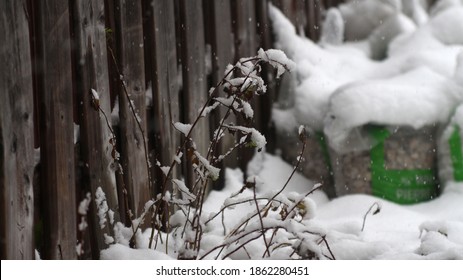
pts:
[161, 41]
[301, 15]
[314, 12]
[265, 42]
[31, 16]
[244, 25]
[163, 75]
[330, 3]
[221, 37]
[219, 29]
[194, 72]
[92, 74]
[263, 24]
[295, 11]
[244, 28]
[130, 60]
[56, 126]
[115, 89]
[16, 134]
[286, 7]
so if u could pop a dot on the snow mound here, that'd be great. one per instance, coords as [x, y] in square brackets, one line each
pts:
[121, 252]
[416, 98]
[396, 63]
[409, 50]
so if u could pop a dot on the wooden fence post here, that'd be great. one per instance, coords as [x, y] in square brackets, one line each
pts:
[92, 74]
[267, 100]
[194, 91]
[314, 11]
[54, 68]
[16, 134]
[161, 43]
[286, 7]
[295, 11]
[219, 29]
[244, 27]
[131, 67]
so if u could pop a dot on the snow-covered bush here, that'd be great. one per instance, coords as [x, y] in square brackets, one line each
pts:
[181, 227]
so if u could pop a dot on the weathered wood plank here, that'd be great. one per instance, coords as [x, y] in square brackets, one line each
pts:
[267, 100]
[115, 88]
[16, 134]
[130, 60]
[31, 16]
[56, 126]
[295, 11]
[330, 3]
[161, 41]
[92, 74]
[194, 73]
[221, 40]
[264, 31]
[244, 28]
[301, 15]
[287, 7]
[314, 12]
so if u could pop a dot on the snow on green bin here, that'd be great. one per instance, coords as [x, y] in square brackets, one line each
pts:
[383, 135]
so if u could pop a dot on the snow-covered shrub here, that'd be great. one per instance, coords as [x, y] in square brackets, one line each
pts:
[182, 228]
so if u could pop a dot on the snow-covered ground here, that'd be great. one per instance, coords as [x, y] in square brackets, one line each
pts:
[430, 230]
[402, 65]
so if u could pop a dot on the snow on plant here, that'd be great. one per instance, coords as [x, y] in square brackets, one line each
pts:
[282, 222]
[82, 211]
[278, 59]
[102, 206]
[179, 226]
[183, 128]
[84, 205]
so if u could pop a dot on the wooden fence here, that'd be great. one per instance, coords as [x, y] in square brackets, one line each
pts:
[55, 54]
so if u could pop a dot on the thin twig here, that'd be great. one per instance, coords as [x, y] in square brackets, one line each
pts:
[233, 240]
[140, 128]
[115, 155]
[378, 208]
[328, 247]
[281, 190]
[317, 187]
[236, 203]
[135, 115]
[261, 221]
[291, 210]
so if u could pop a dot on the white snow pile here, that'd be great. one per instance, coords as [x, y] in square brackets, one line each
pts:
[341, 85]
[430, 230]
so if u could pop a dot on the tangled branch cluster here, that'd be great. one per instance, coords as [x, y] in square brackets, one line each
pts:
[281, 220]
